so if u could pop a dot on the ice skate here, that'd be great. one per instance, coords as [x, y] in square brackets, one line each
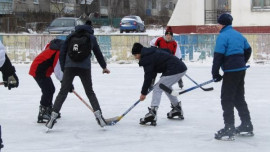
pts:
[176, 112]
[150, 117]
[44, 114]
[52, 120]
[245, 129]
[226, 134]
[100, 120]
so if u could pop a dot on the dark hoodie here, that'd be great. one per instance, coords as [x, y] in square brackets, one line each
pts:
[155, 61]
[65, 60]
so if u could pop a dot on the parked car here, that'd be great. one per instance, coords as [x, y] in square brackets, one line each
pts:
[132, 23]
[63, 25]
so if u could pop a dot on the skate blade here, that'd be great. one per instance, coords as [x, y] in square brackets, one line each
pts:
[245, 134]
[145, 124]
[226, 138]
[47, 130]
[148, 123]
[41, 121]
[176, 118]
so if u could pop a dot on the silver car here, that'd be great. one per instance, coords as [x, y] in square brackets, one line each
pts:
[63, 25]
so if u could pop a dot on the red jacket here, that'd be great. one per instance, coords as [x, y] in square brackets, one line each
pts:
[44, 64]
[162, 43]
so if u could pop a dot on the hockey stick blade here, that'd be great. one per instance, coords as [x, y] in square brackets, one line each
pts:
[204, 89]
[109, 121]
[176, 93]
[2, 83]
[112, 121]
[130, 108]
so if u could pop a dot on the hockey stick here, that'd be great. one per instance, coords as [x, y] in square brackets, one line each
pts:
[129, 109]
[108, 121]
[204, 89]
[84, 102]
[177, 93]
[2, 83]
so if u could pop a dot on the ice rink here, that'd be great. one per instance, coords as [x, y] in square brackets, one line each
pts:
[77, 130]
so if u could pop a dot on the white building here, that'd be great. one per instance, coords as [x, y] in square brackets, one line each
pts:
[200, 16]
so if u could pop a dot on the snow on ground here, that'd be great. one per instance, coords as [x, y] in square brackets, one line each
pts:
[77, 130]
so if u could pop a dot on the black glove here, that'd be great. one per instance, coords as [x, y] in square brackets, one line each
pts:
[217, 77]
[71, 89]
[11, 81]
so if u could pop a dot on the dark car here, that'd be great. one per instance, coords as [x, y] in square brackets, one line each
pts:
[63, 25]
[132, 23]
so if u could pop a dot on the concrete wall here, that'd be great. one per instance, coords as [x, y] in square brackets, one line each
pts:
[24, 48]
[244, 16]
[188, 12]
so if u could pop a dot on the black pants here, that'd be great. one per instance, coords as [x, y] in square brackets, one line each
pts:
[47, 88]
[68, 77]
[233, 95]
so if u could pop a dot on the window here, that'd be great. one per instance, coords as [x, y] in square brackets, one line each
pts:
[36, 1]
[260, 5]
[104, 3]
[126, 4]
[154, 4]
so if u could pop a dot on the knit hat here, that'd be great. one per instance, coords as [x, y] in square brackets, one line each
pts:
[137, 48]
[88, 22]
[225, 19]
[169, 31]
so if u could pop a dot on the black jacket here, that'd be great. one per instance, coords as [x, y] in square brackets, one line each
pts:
[155, 61]
[65, 60]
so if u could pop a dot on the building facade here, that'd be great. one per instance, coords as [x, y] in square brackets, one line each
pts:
[193, 16]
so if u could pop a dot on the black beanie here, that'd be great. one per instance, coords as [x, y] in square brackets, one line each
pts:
[88, 22]
[225, 19]
[137, 48]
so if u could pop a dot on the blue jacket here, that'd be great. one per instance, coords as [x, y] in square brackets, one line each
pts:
[65, 60]
[155, 61]
[232, 51]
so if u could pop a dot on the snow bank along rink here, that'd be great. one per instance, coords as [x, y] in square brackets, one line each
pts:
[78, 131]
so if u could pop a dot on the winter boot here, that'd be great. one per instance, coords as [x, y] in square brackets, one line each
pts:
[151, 117]
[176, 111]
[180, 83]
[245, 129]
[52, 120]
[227, 133]
[44, 114]
[100, 120]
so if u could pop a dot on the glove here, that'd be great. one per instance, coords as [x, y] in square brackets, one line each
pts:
[217, 77]
[11, 81]
[71, 89]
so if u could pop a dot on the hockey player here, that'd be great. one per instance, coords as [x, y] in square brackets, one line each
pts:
[232, 51]
[41, 69]
[8, 71]
[9, 76]
[75, 60]
[168, 42]
[154, 61]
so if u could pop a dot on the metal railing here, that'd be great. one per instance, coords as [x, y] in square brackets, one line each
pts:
[211, 16]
